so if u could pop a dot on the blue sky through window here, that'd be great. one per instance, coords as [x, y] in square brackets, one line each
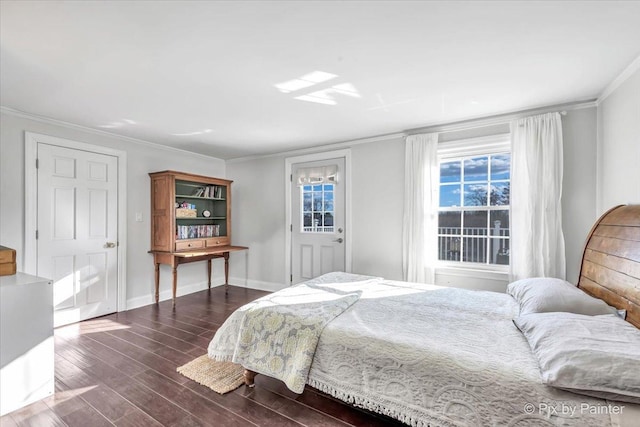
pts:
[477, 175]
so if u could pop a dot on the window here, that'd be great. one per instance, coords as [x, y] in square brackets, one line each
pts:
[473, 214]
[317, 208]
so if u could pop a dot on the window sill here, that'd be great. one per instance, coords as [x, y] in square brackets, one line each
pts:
[474, 271]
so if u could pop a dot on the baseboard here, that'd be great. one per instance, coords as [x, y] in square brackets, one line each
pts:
[256, 284]
[167, 294]
[201, 286]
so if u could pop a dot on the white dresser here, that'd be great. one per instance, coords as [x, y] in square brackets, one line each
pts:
[26, 340]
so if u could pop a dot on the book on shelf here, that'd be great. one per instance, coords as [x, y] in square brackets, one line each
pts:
[197, 231]
[210, 192]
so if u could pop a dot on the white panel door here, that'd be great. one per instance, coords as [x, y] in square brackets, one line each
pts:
[77, 231]
[318, 224]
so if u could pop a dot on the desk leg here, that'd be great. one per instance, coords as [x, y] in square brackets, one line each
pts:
[175, 282]
[209, 271]
[157, 282]
[226, 272]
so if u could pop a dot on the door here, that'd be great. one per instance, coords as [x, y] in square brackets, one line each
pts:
[318, 219]
[77, 231]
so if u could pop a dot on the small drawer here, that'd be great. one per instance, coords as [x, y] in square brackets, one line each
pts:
[190, 244]
[217, 241]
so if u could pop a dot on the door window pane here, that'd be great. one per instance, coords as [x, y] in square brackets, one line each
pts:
[317, 208]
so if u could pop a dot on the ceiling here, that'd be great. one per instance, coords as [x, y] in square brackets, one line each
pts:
[235, 79]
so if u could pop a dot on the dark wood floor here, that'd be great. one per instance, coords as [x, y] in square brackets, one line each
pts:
[121, 370]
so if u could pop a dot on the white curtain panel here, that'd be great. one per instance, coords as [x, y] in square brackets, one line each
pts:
[537, 241]
[419, 230]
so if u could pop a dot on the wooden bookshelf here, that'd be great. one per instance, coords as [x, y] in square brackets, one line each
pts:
[190, 221]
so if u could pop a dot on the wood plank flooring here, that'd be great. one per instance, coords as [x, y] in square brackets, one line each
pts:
[121, 370]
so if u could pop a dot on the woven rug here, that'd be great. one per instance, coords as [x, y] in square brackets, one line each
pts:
[221, 377]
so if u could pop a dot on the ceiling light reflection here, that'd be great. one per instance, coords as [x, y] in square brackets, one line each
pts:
[199, 132]
[115, 125]
[310, 79]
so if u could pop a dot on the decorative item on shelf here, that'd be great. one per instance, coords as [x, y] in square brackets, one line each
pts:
[186, 213]
[206, 213]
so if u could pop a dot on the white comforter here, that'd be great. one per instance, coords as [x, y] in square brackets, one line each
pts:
[436, 356]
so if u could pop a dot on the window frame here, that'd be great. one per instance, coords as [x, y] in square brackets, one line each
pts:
[469, 148]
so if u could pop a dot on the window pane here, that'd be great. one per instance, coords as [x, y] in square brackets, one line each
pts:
[307, 220]
[475, 223]
[317, 208]
[317, 201]
[499, 223]
[500, 166]
[449, 195]
[449, 223]
[328, 219]
[450, 171]
[499, 251]
[500, 194]
[468, 231]
[476, 169]
[449, 248]
[475, 242]
[475, 194]
[475, 249]
[306, 206]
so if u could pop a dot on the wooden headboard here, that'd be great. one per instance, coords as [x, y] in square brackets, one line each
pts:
[611, 260]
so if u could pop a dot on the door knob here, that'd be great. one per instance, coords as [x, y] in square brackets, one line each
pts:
[339, 240]
[110, 245]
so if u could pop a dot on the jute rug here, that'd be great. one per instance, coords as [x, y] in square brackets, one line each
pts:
[221, 377]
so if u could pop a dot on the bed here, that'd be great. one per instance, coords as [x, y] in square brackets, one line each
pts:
[437, 356]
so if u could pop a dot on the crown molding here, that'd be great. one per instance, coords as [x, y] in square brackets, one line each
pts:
[624, 75]
[483, 121]
[47, 120]
[502, 118]
[321, 148]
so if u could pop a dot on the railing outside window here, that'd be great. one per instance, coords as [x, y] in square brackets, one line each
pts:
[475, 244]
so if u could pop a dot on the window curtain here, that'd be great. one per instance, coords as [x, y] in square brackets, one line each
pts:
[317, 175]
[537, 241]
[419, 231]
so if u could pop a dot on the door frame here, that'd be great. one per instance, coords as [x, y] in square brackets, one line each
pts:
[288, 175]
[31, 141]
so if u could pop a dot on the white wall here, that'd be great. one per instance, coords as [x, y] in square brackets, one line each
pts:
[579, 128]
[141, 159]
[377, 201]
[258, 221]
[258, 215]
[619, 145]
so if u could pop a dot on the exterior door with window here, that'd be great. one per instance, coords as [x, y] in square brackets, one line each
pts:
[77, 228]
[318, 219]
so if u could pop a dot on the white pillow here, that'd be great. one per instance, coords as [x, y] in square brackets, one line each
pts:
[546, 294]
[592, 355]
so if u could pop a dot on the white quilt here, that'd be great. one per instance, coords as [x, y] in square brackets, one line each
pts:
[277, 334]
[432, 356]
